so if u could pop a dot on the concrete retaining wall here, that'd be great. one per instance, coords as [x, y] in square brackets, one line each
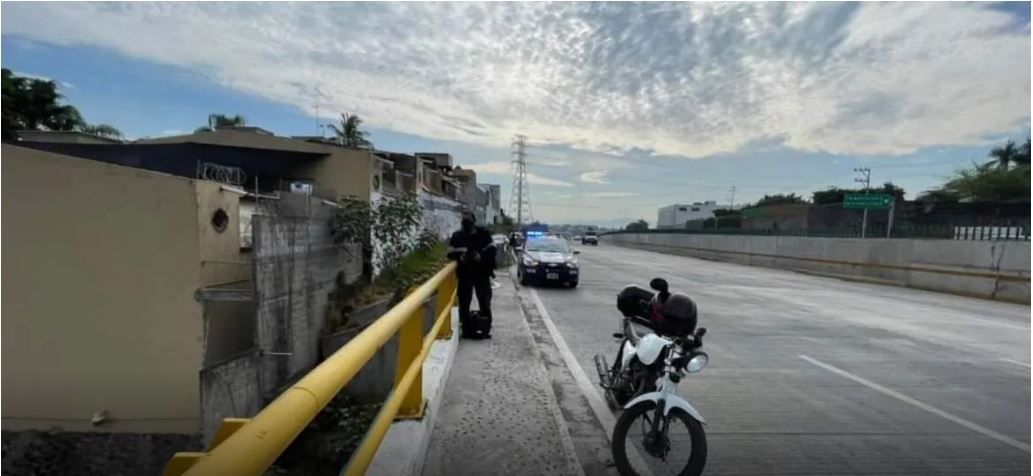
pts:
[989, 269]
[230, 389]
[297, 267]
[374, 382]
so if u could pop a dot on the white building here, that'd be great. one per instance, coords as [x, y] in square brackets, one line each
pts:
[675, 216]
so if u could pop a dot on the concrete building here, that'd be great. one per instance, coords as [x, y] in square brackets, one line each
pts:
[675, 216]
[489, 204]
[468, 190]
[69, 137]
[134, 307]
[253, 156]
[101, 316]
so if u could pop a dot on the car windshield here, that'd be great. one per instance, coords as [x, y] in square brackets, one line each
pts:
[549, 245]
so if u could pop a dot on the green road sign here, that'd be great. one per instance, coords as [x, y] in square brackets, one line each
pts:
[870, 201]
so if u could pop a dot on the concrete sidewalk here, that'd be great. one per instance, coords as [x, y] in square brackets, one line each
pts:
[499, 415]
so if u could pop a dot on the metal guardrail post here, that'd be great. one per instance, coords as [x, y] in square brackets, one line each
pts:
[445, 300]
[410, 343]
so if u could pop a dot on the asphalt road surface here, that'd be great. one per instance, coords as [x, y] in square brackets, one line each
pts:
[814, 375]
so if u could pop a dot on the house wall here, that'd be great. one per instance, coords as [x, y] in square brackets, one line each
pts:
[101, 265]
[222, 261]
[67, 137]
[344, 172]
[441, 215]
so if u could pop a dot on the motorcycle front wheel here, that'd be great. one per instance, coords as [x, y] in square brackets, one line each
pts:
[679, 447]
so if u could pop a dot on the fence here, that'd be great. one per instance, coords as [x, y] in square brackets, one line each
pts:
[243, 446]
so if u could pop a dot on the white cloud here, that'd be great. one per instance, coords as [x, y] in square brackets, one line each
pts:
[505, 168]
[690, 79]
[595, 176]
[535, 179]
[490, 168]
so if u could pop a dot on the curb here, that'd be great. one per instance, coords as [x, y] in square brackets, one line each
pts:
[405, 445]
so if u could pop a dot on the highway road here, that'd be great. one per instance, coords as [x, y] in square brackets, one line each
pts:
[809, 375]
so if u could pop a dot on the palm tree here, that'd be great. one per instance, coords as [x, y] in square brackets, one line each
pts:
[216, 121]
[1023, 157]
[349, 134]
[1006, 155]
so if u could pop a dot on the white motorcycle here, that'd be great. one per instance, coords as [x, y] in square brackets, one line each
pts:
[658, 431]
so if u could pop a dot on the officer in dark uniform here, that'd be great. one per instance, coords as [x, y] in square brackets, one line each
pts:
[474, 249]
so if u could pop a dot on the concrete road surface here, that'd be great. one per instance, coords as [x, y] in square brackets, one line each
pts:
[810, 375]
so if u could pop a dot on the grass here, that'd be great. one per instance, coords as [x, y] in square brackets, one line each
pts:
[391, 284]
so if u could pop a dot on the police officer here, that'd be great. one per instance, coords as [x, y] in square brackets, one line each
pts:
[474, 249]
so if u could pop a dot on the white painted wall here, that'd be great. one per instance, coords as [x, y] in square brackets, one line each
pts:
[675, 216]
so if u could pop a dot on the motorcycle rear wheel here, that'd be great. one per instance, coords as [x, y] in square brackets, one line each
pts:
[644, 411]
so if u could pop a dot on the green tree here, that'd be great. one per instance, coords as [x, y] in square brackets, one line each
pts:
[215, 121]
[989, 182]
[640, 225]
[348, 132]
[1004, 177]
[779, 199]
[103, 130]
[34, 104]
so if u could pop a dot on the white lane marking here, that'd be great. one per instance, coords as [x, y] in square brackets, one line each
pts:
[924, 406]
[595, 401]
[1016, 362]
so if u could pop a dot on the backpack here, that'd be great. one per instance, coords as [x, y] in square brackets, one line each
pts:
[477, 326]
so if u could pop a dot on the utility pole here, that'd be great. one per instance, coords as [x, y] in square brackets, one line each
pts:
[864, 177]
[731, 199]
[520, 195]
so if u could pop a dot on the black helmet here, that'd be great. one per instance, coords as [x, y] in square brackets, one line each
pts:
[679, 315]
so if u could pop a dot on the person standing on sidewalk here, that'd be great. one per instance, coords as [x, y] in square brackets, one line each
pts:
[474, 250]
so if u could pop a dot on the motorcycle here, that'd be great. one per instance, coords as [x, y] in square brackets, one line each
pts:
[643, 381]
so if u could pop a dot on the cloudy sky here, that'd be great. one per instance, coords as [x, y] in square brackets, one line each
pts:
[628, 107]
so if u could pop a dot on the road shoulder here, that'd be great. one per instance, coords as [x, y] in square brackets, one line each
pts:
[500, 414]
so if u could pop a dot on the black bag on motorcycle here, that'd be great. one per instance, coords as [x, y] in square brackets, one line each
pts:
[633, 301]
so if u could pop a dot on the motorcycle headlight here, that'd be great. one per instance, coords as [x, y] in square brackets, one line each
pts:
[697, 362]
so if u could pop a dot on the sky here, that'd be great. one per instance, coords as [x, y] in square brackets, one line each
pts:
[627, 107]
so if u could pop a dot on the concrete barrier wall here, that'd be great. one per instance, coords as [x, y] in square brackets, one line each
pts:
[989, 269]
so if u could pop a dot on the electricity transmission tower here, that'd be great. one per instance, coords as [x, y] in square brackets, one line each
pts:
[864, 177]
[520, 194]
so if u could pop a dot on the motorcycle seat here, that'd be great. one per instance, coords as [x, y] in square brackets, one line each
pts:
[637, 330]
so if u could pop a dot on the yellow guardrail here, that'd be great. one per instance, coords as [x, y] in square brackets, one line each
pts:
[243, 446]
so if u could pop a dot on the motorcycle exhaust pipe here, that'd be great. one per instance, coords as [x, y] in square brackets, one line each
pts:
[603, 369]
